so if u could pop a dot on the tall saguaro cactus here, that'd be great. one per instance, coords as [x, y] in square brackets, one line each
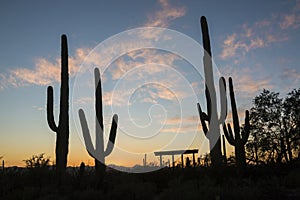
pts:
[62, 129]
[214, 122]
[98, 152]
[239, 139]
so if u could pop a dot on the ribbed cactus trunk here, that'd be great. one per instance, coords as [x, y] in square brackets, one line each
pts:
[62, 129]
[240, 155]
[98, 152]
[99, 163]
[239, 139]
[214, 122]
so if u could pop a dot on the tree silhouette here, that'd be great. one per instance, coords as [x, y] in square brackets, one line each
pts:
[274, 130]
[291, 123]
[265, 135]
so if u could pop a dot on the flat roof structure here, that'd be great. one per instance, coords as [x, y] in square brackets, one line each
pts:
[176, 152]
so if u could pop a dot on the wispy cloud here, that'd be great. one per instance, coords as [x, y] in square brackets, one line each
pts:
[290, 73]
[291, 20]
[245, 80]
[238, 44]
[44, 72]
[163, 17]
[261, 34]
[47, 71]
[154, 58]
[185, 124]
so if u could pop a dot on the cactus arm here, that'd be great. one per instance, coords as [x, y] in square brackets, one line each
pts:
[228, 134]
[86, 133]
[201, 115]
[50, 116]
[112, 136]
[222, 86]
[246, 132]
[235, 117]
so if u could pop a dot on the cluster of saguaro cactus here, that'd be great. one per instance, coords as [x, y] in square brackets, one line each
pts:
[210, 121]
[214, 122]
[239, 139]
[62, 129]
[98, 152]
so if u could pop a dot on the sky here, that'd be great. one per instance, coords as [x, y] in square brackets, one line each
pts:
[154, 91]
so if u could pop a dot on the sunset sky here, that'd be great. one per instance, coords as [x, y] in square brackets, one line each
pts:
[154, 92]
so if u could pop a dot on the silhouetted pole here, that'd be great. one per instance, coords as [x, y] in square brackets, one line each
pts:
[145, 164]
[160, 160]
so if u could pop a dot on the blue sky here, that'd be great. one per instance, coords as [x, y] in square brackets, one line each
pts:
[255, 42]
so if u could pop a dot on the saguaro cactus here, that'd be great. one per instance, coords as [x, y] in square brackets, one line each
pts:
[98, 152]
[213, 133]
[239, 139]
[62, 129]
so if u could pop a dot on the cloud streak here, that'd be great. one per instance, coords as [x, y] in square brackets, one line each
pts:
[185, 124]
[261, 34]
[45, 72]
[245, 80]
[166, 15]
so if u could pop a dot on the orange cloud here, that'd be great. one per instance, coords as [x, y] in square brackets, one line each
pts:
[181, 125]
[163, 17]
[261, 33]
[245, 83]
[290, 21]
[45, 72]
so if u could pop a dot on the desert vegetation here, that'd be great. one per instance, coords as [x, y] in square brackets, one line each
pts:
[265, 163]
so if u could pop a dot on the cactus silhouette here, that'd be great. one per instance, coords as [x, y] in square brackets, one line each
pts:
[213, 133]
[98, 152]
[62, 129]
[239, 139]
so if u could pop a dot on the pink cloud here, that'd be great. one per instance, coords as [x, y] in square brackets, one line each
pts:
[261, 34]
[163, 17]
[290, 21]
[44, 72]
